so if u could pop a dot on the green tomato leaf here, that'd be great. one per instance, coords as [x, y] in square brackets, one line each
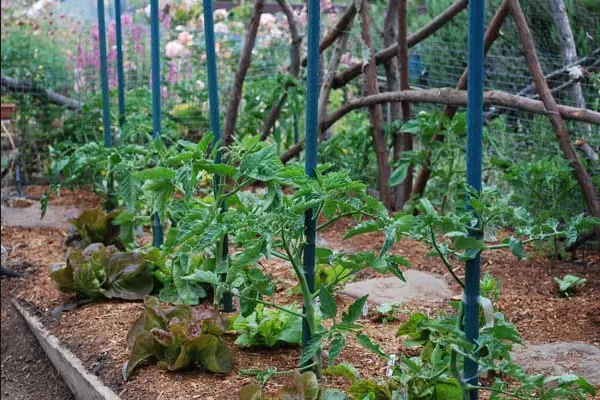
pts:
[328, 305]
[335, 348]
[345, 370]
[399, 174]
[203, 276]
[368, 344]
[156, 173]
[364, 227]
[468, 243]
[355, 310]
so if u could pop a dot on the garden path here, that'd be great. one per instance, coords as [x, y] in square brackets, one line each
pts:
[418, 285]
[560, 358]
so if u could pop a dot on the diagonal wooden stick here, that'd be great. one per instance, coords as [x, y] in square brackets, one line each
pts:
[528, 47]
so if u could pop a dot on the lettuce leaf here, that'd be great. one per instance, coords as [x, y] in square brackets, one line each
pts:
[268, 327]
[103, 272]
[178, 337]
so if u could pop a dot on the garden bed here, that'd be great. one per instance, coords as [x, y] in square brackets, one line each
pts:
[97, 333]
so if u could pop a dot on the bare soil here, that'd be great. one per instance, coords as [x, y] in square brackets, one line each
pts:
[97, 333]
[26, 371]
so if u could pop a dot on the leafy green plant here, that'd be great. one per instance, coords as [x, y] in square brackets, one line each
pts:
[456, 235]
[385, 312]
[103, 272]
[178, 337]
[349, 148]
[490, 287]
[268, 327]
[569, 284]
[96, 226]
[172, 269]
[547, 189]
[305, 386]
[269, 224]
[434, 374]
[329, 275]
[460, 236]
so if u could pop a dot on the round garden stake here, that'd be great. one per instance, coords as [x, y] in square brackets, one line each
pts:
[215, 124]
[120, 71]
[312, 112]
[474, 144]
[108, 140]
[157, 229]
[104, 75]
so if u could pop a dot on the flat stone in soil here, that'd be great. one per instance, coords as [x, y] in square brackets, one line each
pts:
[559, 358]
[418, 285]
[29, 217]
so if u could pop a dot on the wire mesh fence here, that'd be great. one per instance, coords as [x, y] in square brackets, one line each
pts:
[436, 62]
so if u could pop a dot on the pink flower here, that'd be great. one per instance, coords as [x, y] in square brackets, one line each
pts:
[80, 57]
[112, 32]
[126, 20]
[136, 33]
[185, 38]
[139, 48]
[166, 21]
[95, 32]
[173, 76]
[175, 49]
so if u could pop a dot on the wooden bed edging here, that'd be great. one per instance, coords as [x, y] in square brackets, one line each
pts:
[82, 384]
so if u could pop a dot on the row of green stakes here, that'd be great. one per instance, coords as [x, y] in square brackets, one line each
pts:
[474, 143]
[213, 88]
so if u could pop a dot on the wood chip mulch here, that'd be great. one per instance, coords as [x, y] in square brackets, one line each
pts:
[97, 333]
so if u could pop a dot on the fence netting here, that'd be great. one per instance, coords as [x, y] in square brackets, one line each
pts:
[70, 67]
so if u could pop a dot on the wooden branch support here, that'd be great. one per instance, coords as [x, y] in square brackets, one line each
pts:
[340, 27]
[382, 56]
[491, 34]
[459, 98]
[567, 45]
[23, 86]
[451, 97]
[377, 133]
[242, 70]
[392, 81]
[404, 191]
[294, 68]
[292, 151]
[526, 91]
[329, 74]
[587, 187]
[588, 150]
